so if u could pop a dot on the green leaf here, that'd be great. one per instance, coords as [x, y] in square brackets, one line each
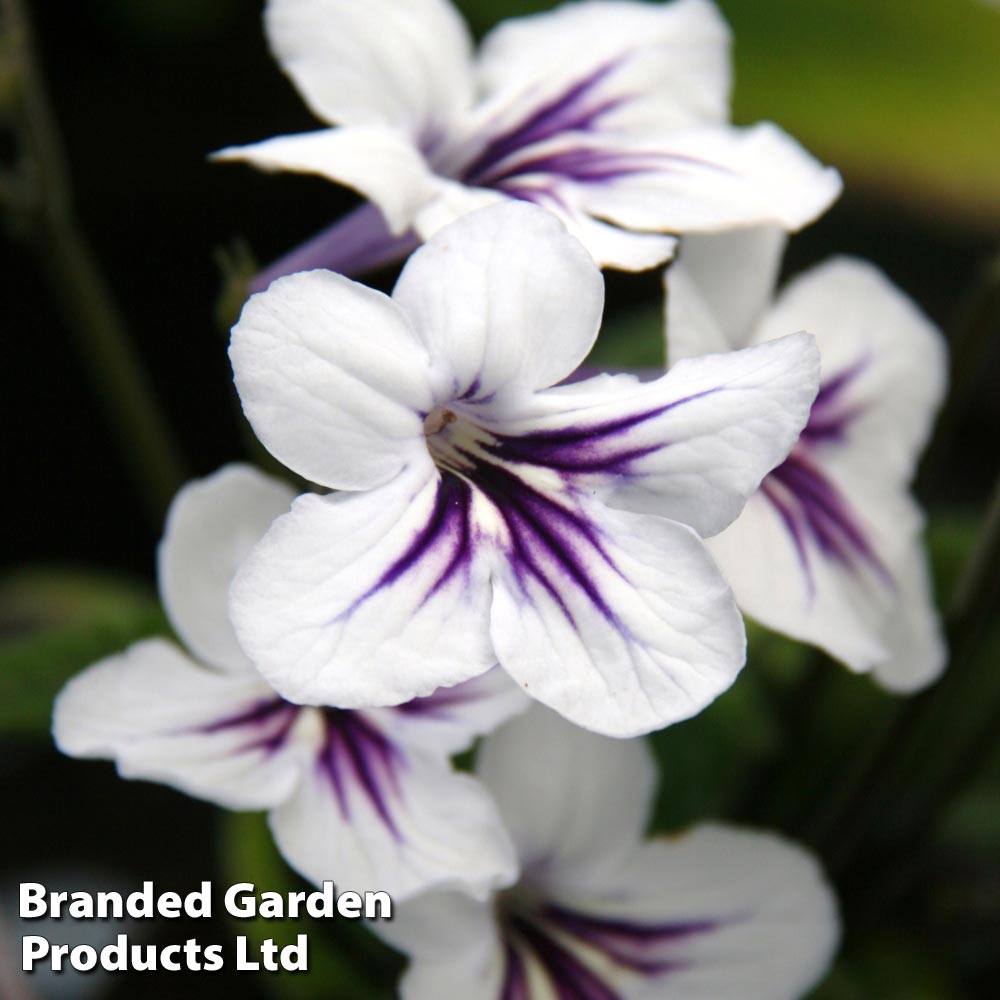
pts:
[345, 960]
[56, 622]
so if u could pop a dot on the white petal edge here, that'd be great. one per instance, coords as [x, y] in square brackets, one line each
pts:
[673, 62]
[313, 609]
[380, 163]
[780, 922]
[575, 803]
[674, 643]
[399, 62]
[333, 380]
[149, 710]
[719, 288]
[447, 833]
[212, 525]
[505, 301]
[454, 946]
[449, 720]
[704, 435]
[717, 178]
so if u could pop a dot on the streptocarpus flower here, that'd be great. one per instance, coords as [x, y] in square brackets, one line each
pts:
[368, 799]
[599, 913]
[613, 115]
[490, 518]
[829, 550]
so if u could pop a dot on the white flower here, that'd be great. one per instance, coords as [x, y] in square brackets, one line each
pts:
[613, 115]
[829, 551]
[599, 913]
[367, 799]
[492, 519]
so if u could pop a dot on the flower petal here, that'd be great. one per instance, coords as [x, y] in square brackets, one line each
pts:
[649, 66]
[368, 599]
[719, 289]
[454, 945]
[226, 738]
[830, 552]
[801, 561]
[357, 243]
[896, 358]
[380, 163]
[373, 813]
[448, 720]
[211, 527]
[504, 301]
[717, 912]
[333, 380]
[575, 803]
[618, 621]
[712, 178]
[912, 633]
[398, 62]
[690, 446]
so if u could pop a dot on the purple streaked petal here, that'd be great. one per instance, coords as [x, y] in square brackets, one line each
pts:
[565, 942]
[816, 513]
[831, 414]
[568, 976]
[221, 736]
[356, 756]
[575, 109]
[266, 724]
[372, 598]
[599, 446]
[353, 245]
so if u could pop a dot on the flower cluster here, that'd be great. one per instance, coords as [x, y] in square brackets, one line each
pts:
[480, 526]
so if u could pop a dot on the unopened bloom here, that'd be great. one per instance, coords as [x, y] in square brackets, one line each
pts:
[368, 799]
[486, 517]
[830, 549]
[612, 115]
[603, 914]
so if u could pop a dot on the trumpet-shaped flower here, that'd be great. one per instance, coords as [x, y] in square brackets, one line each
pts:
[613, 115]
[368, 799]
[602, 914]
[829, 550]
[486, 517]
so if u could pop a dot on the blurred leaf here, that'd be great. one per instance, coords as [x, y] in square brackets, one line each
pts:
[345, 961]
[705, 762]
[902, 97]
[890, 969]
[55, 622]
[631, 341]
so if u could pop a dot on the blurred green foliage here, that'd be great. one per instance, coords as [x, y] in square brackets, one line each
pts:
[53, 623]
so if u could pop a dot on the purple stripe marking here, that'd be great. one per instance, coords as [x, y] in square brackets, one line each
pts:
[588, 447]
[355, 752]
[583, 164]
[551, 540]
[809, 504]
[570, 978]
[571, 111]
[631, 946]
[813, 509]
[442, 702]
[267, 723]
[830, 415]
[540, 526]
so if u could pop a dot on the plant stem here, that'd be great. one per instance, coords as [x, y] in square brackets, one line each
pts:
[46, 219]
